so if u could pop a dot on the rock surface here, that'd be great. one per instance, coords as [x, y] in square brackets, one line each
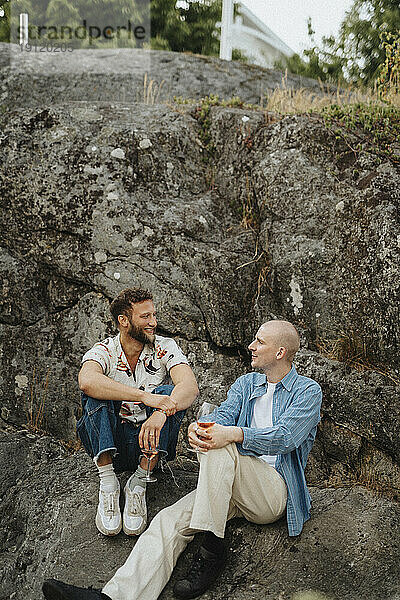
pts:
[231, 220]
[99, 198]
[126, 75]
[349, 549]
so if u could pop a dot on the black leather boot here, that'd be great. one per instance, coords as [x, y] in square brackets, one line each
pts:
[57, 590]
[205, 570]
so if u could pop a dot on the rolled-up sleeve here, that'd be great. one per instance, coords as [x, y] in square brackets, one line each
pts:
[173, 354]
[292, 428]
[101, 354]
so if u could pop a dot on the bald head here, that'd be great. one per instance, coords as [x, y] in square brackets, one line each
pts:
[284, 335]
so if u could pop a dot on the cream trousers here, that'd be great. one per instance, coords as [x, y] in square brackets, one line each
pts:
[229, 485]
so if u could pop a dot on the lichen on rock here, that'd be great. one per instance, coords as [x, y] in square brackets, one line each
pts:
[275, 222]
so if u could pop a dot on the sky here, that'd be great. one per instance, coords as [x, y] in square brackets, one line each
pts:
[288, 18]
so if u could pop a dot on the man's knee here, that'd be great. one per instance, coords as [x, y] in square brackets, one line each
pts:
[98, 422]
[224, 455]
[96, 412]
[177, 515]
[92, 405]
[228, 450]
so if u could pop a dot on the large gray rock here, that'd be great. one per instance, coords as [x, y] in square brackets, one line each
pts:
[348, 550]
[102, 197]
[272, 219]
[329, 229]
[130, 75]
[114, 213]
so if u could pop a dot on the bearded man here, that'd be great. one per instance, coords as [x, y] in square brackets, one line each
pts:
[128, 406]
[252, 460]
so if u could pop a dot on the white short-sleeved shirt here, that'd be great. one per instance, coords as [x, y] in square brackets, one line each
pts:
[262, 417]
[152, 369]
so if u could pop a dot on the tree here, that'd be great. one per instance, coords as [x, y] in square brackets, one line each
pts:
[168, 30]
[184, 26]
[48, 17]
[188, 27]
[5, 10]
[318, 64]
[359, 37]
[61, 12]
[201, 18]
[357, 54]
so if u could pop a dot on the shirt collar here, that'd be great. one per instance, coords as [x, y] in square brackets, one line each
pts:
[287, 382]
[260, 382]
[289, 379]
[146, 351]
[119, 345]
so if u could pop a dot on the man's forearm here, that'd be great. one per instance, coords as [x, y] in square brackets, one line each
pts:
[235, 434]
[101, 387]
[229, 433]
[184, 394]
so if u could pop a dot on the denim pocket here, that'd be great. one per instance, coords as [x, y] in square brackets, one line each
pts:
[91, 405]
[94, 405]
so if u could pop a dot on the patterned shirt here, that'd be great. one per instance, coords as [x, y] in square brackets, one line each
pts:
[295, 416]
[152, 369]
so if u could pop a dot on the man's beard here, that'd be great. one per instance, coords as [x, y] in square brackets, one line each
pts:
[139, 335]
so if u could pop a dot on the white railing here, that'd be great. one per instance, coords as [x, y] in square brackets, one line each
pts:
[225, 49]
[23, 29]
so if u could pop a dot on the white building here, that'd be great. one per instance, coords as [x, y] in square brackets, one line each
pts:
[261, 45]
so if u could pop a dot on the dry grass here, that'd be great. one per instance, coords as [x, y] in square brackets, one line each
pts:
[36, 402]
[71, 446]
[151, 90]
[36, 408]
[347, 347]
[379, 485]
[250, 218]
[351, 349]
[286, 100]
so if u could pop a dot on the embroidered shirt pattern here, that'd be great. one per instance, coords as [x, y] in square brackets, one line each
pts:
[152, 369]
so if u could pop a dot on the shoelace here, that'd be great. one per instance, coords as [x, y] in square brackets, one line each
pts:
[136, 504]
[109, 499]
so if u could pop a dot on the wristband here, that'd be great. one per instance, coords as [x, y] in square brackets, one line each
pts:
[161, 410]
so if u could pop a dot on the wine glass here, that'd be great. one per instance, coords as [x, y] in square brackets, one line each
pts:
[205, 409]
[149, 455]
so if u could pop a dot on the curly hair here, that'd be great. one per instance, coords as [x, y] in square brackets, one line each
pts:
[122, 304]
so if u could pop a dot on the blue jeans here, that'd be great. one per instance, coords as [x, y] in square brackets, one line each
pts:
[100, 429]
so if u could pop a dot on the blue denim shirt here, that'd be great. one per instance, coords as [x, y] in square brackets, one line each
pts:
[295, 416]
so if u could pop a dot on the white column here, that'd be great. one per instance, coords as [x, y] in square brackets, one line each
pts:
[23, 29]
[225, 50]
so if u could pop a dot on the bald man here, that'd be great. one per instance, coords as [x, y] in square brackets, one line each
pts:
[252, 463]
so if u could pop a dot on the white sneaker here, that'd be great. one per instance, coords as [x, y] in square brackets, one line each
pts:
[135, 510]
[108, 517]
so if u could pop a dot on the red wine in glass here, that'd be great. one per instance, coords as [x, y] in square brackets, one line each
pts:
[203, 427]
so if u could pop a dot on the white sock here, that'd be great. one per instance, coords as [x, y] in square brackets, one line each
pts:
[108, 479]
[137, 478]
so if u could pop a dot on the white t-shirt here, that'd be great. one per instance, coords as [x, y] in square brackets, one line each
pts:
[262, 417]
[152, 369]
